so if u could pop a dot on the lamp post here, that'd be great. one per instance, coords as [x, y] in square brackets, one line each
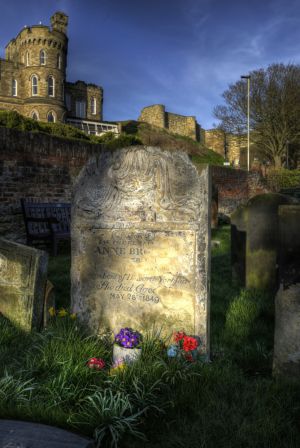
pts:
[248, 77]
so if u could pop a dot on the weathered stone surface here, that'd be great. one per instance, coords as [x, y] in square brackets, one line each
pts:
[18, 434]
[23, 274]
[141, 242]
[255, 241]
[287, 332]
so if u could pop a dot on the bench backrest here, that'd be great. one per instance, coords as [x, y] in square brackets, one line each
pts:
[45, 218]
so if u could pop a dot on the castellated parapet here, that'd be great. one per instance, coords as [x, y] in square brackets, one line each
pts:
[156, 115]
[33, 76]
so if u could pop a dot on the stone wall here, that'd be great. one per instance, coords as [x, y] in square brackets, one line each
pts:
[235, 187]
[44, 167]
[156, 115]
[38, 166]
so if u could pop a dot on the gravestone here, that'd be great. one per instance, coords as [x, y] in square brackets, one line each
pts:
[141, 242]
[286, 360]
[289, 250]
[255, 241]
[23, 275]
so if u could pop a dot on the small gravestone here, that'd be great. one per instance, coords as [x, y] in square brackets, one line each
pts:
[255, 241]
[141, 242]
[286, 359]
[23, 275]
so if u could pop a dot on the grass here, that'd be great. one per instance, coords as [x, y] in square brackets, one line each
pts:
[232, 402]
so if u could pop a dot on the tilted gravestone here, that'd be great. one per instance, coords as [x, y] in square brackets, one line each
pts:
[23, 275]
[141, 242]
[255, 241]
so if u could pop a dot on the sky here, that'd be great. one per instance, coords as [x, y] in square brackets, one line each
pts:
[181, 53]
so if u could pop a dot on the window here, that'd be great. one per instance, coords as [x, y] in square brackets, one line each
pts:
[43, 57]
[58, 61]
[34, 115]
[93, 106]
[14, 87]
[80, 109]
[34, 85]
[27, 58]
[51, 117]
[51, 86]
[68, 101]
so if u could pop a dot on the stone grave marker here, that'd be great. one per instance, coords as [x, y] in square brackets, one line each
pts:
[23, 275]
[141, 242]
[255, 241]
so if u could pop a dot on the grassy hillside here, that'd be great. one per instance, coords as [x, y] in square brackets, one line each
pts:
[133, 133]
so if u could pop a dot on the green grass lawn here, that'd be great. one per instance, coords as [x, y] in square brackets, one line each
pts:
[231, 402]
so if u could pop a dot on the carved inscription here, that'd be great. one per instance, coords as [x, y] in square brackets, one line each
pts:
[135, 272]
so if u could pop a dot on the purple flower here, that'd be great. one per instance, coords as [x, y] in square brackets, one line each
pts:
[129, 338]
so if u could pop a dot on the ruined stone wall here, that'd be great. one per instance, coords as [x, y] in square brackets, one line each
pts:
[154, 115]
[38, 166]
[180, 124]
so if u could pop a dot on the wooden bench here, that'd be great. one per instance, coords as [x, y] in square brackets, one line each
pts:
[46, 221]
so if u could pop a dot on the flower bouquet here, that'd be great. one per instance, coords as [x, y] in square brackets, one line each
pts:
[184, 346]
[127, 345]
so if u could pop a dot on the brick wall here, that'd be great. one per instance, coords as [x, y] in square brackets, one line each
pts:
[39, 166]
[44, 167]
[235, 187]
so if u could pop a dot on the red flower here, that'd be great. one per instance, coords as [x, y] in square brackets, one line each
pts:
[189, 343]
[179, 336]
[96, 363]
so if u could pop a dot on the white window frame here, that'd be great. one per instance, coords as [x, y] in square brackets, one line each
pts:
[53, 115]
[34, 86]
[80, 109]
[14, 87]
[93, 106]
[51, 88]
[43, 57]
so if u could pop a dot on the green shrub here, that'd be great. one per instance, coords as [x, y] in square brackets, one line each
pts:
[278, 179]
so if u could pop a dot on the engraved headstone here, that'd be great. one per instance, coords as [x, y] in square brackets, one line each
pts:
[23, 275]
[141, 242]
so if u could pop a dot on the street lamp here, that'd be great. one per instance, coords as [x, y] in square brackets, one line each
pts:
[248, 77]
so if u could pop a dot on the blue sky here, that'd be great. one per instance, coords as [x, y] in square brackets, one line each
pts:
[181, 53]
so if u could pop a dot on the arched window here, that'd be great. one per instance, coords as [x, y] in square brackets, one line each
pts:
[58, 61]
[27, 58]
[51, 117]
[51, 86]
[34, 85]
[93, 106]
[34, 115]
[42, 57]
[14, 87]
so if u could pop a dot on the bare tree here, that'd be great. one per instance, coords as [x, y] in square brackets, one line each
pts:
[274, 110]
